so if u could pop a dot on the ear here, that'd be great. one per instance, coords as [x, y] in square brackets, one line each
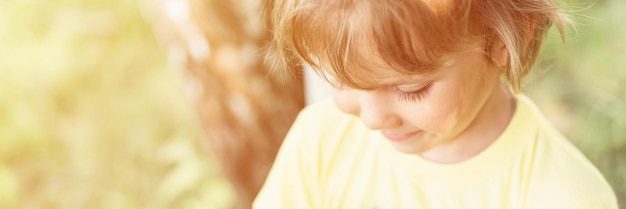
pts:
[499, 53]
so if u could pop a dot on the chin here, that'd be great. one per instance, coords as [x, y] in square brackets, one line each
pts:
[408, 149]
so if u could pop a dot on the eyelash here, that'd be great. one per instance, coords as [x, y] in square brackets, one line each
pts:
[414, 96]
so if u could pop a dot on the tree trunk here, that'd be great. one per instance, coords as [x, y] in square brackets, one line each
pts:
[245, 108]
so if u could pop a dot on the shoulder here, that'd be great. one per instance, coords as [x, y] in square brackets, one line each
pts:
[321, 120]
[330, 138]
[321, 129]
[325, 110]
[563, 177]
[294, 180]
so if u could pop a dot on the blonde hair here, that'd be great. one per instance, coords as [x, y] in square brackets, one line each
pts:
[346, 38]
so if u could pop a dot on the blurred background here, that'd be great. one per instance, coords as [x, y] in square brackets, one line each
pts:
[93, 115]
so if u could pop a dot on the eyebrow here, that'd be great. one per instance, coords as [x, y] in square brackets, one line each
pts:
[407, 79]
[382, 79]
[422, 77]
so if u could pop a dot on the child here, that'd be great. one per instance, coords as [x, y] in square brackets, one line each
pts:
[421, 117]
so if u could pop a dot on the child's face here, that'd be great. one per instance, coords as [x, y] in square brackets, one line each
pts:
[419, 113]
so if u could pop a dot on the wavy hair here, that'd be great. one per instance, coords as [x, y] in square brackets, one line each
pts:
[348, 38]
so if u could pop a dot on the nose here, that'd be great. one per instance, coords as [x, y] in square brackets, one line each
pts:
[377, 114]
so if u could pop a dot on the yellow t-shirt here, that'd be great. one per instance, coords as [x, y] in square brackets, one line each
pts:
[330, 160]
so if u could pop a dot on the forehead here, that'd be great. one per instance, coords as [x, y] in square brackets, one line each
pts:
[376, 73]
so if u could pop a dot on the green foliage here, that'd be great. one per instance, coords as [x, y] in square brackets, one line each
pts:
[582, 90]
[90, 116]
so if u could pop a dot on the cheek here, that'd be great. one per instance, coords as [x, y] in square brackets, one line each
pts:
[441, 113]
[439, 118]
[452, 111]
[346, 101]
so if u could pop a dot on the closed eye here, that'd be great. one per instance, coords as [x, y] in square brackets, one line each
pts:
[414, 96]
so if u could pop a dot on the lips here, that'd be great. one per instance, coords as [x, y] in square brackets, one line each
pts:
[400, 137]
